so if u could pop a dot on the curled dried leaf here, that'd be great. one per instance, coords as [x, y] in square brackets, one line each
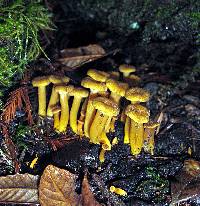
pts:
[75, 57]
[19, 188]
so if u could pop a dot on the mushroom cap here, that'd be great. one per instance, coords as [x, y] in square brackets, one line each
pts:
[55, 79]
[64, 89]
[98, 75]
[106, 106]
[151, 125]
[56, 109]
[41, 81]
[116, 87]
[93, 84]
[125, 68]
[80, 92]
[138, 113]
[136, 94]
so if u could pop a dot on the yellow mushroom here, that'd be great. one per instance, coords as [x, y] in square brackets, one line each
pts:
[149, 136]
[127, 131]
[78, 94]
[41, 83]
[126, 69]
[138, 115]
[118, 191]
[135, 95]
[106, 108]
[99, 76]
[94, 87]
[54, 99]
[118, 89]
[56, 116]
[106, 146]
[64, 92]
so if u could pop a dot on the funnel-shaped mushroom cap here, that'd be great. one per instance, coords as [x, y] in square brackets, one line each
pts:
[58, 79]
[80, 92]
[137, 94]
[116, 87]
[63, 89]
[98, 75]
[106, 106]
[41, 81]
[151, 125]
[126, 68]
[138, 113]
[93, 84]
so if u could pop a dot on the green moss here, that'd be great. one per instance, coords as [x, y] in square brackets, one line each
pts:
[20, 24]
[155, 185]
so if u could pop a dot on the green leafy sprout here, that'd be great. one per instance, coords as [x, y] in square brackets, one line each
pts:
[20, 23]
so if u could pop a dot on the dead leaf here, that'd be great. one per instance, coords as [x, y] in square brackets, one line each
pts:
[75, 57]
[187, 184]
[57, 187]
[87, 196]
[19, 188]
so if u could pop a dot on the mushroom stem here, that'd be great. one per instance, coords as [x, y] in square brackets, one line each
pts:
[56, 117]
[106, 145]
[82, 118]
[97, 127]
[90, 114]
[132, 138]
[42, 101]
[127, 131]
[108, 124]
[73, 113]
[54, 99]
[64, 117]
[139, 131]
[102, 155]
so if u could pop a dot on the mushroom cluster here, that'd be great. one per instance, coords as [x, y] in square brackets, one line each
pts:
[97, 105]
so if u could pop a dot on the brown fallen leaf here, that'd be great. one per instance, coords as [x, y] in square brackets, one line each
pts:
[187, 184]
[87, 196]
[57, 187]
[75, 57]
[19, 188]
